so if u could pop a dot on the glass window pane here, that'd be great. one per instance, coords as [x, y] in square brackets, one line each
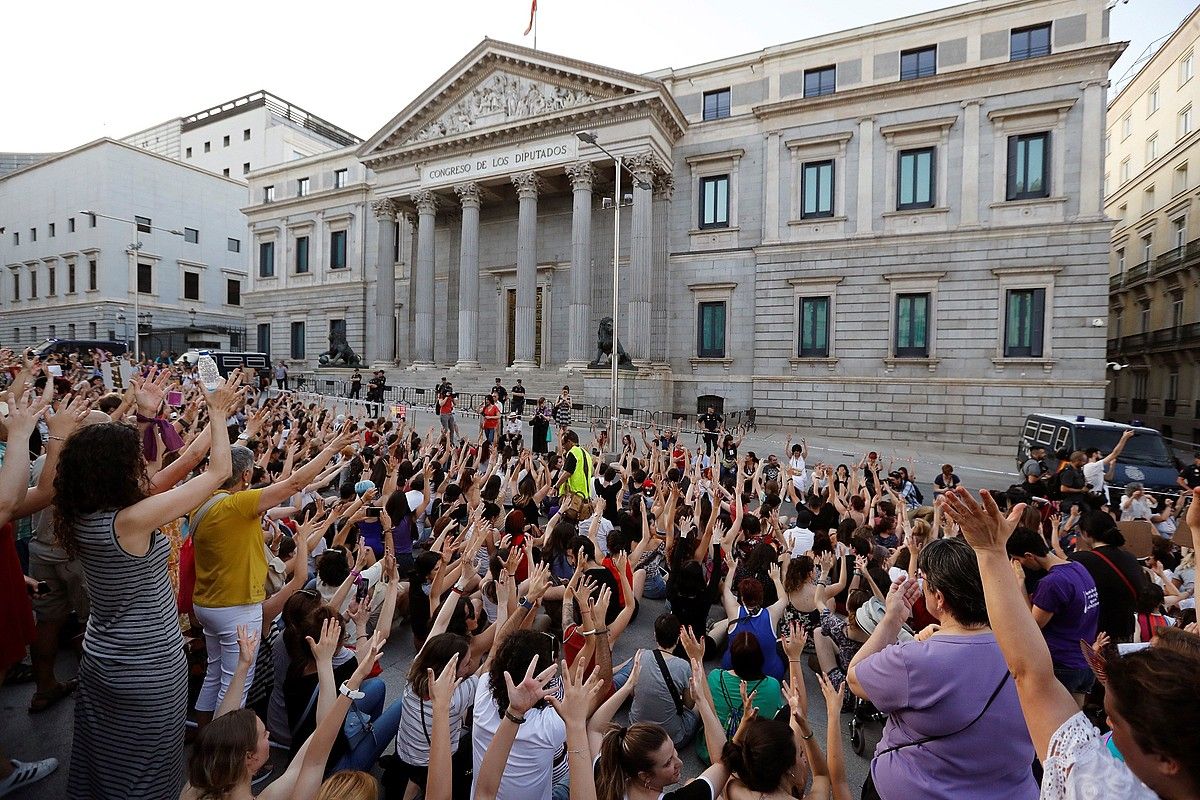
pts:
[722, 212]
[923, 166]
[1035, 152]
[903, 322]
[906, 178]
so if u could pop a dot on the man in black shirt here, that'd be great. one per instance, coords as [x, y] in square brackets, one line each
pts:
[710, 423]
[1189, 476]
[1072, 484]
[518, 398]
[500, 393]
[375, 388]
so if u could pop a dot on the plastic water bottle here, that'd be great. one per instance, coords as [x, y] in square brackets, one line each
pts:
[209, 375]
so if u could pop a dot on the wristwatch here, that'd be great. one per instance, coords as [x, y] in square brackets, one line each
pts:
[525, 603]
[353, 694]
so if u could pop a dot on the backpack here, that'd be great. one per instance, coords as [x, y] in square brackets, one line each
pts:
[1054, 485]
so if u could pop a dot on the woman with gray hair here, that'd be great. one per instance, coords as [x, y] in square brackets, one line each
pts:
[1136, 504]
[954, 728]
[231, 563]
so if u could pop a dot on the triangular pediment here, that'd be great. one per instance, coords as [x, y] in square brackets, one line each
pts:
[498, 85]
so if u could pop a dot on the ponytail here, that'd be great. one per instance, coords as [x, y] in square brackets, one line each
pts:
[624, 753]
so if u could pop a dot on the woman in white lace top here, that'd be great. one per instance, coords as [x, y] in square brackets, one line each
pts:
[1152, 698]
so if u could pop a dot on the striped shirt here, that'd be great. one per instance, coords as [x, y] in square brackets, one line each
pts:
[416, 723]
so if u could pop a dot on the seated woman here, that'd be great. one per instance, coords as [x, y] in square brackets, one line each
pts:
[726, 685]
[750, 616]
[952, 728]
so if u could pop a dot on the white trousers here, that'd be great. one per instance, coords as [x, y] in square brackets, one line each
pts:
[220, 637]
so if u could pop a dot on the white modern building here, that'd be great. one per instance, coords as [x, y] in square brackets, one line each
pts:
[244, 134]
[71, 275]
[896, 228]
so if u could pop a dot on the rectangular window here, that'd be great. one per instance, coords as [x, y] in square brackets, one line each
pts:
[143, 224]
[1147, 248]
[1107, 143]
[33, 287]
[337, 250]
[233, 245]
[33, 234]
[710, 335]
[266, 259]
[246, 171]
[70, 279]
[191, 235]
[188, 153]
[714, 201]
[1144, 320]
[225, 172]
[233, 292]
[145, 279]
[1148, 204]
[1152, 148]
[1126, 127]
[1028, 166]
[716, 104]
[53, 331]
[819, 81]
[1187, 66]
[1029, 42]
[225, 142]
[70, 330]
[268, 194]
[301, 187]
[1121, 260]
[912, 326]
[92, 331]
[191, 286]
[1024, 323]
[918, 63]
[1125, 171]
[16, 286]
[297, 340]
[50, 230]
[915, 179]
[339, 178]
[1152, 100]
[1176, 311]
[263, 337]
[814, 328]
[70, 224]
[1179, 229]
[208, 147]
[16, 238]
[51, 281]
[92, 275]
[816, 185]
[301, 254]
[1181, 178]
[33, 332]
[1185, 121]
[91, 220]
[246, 135]
[16, 334]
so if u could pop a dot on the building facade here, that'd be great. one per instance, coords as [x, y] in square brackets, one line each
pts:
[71, 275]
[897, 227]
[244, 134]
[1152, 171]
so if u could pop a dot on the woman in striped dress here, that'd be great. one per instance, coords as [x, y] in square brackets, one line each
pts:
[131, 705]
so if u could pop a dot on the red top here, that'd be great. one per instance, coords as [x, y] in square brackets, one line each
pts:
[491, 416]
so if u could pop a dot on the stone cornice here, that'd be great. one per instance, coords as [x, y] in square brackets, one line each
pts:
[1053, 64]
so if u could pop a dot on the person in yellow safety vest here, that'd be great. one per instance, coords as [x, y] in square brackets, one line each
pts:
[577, 469]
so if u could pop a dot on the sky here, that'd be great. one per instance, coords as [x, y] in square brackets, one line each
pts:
[79, 69]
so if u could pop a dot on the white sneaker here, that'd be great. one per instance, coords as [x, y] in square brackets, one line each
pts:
[26, 772]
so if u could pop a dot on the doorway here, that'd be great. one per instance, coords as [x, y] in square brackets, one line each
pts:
[511, 328]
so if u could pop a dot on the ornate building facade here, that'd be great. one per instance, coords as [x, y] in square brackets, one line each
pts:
[895, 228]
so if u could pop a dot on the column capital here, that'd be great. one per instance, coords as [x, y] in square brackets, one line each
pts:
[468, 194]
[384, 209]
[528, 184]
[664, 187]
[425, 201]
[581, 173]
[644, 166]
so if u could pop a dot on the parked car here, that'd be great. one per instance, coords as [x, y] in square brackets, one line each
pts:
[83, 346]
[1145, 459]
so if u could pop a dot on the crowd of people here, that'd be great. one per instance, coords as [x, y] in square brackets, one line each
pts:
[239, 558]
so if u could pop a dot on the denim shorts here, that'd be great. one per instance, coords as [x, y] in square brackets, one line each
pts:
[1077, 681]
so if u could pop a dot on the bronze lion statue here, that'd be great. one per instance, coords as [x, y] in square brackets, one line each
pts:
[604, 348]
[339, 350]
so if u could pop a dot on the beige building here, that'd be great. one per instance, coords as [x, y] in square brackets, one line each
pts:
[1151, 175]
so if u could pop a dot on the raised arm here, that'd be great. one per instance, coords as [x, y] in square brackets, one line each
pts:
[247, 650]
[281, 490]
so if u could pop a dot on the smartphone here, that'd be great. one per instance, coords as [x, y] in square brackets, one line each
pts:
[55, 370]
[175, 399]
[373, 511]
[363, 587]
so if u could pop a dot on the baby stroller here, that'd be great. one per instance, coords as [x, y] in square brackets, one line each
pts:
[862, 712]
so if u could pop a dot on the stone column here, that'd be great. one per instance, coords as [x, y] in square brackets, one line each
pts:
[426, 204]
[578, 344]
[1091, 159]
[660, 325]
[468, 277]
[865, 221]
[636, 301]
[970, 172]
[526, 317]
[383, 348]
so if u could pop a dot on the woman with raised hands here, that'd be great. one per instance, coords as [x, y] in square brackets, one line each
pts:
[1147, 692]
[133, 674]
[230, 749]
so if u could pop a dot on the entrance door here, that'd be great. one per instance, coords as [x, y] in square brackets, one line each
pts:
[511, 328]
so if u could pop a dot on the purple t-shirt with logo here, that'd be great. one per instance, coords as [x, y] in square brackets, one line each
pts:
[937, 687]
[1068, 592]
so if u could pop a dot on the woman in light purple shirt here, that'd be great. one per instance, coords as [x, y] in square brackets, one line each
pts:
[954, 725]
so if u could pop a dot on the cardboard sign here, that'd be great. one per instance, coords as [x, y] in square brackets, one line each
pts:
[399, 411]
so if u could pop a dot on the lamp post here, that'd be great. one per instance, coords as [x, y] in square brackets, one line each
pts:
[134, 248]
[590, 138]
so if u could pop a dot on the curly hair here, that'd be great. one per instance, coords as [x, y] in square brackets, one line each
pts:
[101, 467]
[513, 656]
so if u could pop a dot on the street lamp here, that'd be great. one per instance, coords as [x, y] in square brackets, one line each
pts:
[590, 138]
[134, 247]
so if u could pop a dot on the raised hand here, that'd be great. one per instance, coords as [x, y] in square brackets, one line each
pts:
[578, 694]
[247, 645]
[600, 605]
[150, 392]
[983, 526]
[693, 646]
[532, 688]
[226, 396]
[366, 661]
[794, 640]
[901, 597]
[24, 412]
[72, 411]
[441, 688]
[359, 614]
[331, 638]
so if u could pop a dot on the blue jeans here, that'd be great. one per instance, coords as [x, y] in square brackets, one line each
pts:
[368, 747]
[621, 676]
[656, 587]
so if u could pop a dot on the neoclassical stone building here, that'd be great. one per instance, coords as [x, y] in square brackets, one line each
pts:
[896, 228]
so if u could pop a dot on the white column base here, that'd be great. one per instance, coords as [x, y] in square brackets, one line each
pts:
[573, 366]
[465, 365]
[421, 365]
[521, 366]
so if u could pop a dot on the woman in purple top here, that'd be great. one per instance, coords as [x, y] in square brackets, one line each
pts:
[954, 726]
